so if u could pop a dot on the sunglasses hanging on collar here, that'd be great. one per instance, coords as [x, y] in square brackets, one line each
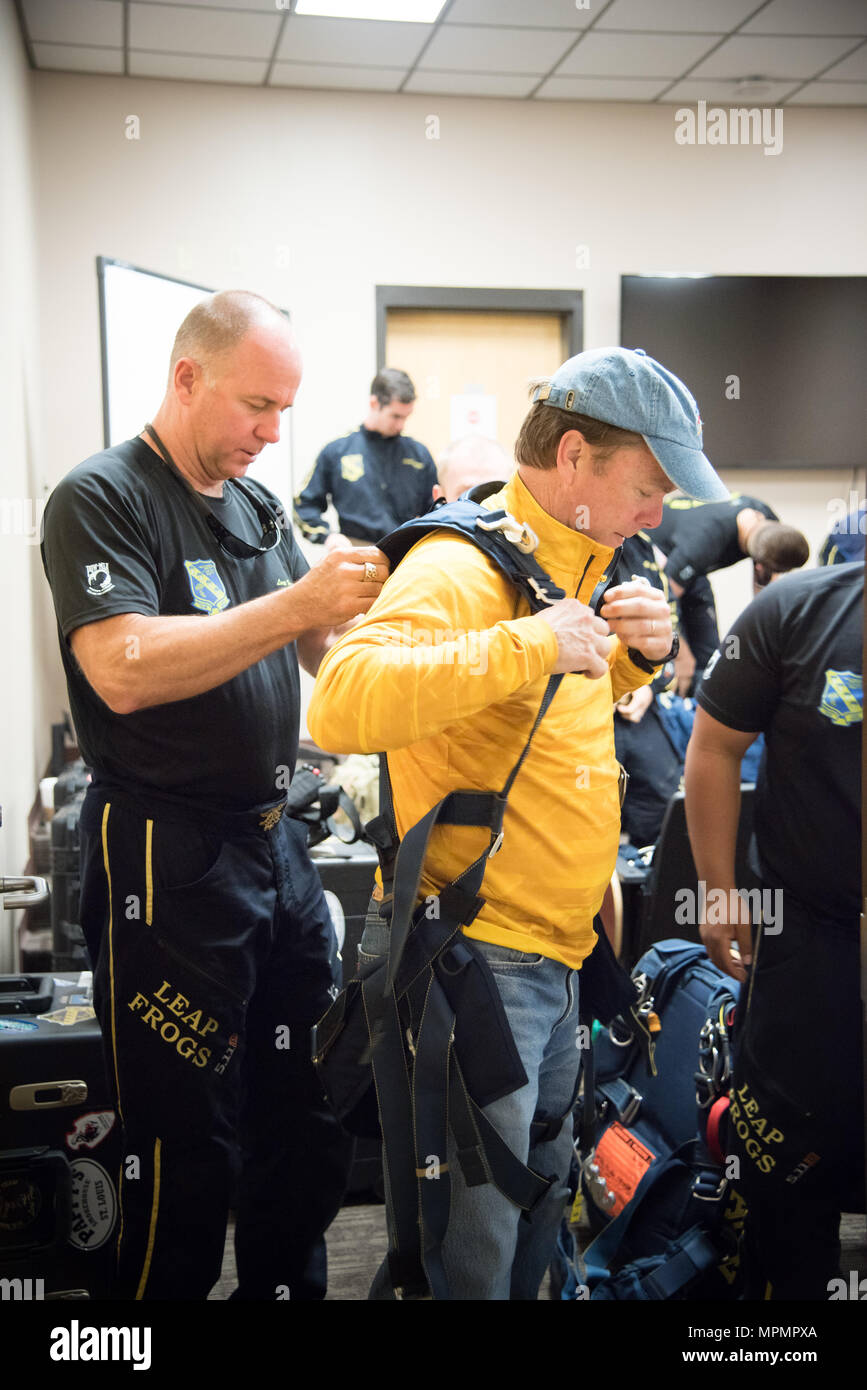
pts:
[233, 545]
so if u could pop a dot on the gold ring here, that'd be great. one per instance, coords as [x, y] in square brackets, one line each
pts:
[369, 572]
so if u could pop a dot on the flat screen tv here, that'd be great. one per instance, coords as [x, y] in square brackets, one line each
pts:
[777, 363]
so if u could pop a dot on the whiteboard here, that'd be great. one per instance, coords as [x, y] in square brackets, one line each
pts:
[140, 313]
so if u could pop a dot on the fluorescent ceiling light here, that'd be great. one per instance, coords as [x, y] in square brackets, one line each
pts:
[675, 274]
[414, 11]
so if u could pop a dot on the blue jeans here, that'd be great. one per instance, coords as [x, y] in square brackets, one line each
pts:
[490, 1252]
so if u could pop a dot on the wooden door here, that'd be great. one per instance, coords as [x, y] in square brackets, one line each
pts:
[471, 369]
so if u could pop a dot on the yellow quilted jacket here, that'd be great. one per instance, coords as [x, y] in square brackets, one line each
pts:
[446, 673]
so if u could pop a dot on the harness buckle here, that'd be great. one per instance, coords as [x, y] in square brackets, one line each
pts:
[517, 533]
[541, 594]
[630, 1111]
[497, 845]
[704, 1190]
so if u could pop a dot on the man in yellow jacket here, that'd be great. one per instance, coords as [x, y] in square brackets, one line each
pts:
[446, 674]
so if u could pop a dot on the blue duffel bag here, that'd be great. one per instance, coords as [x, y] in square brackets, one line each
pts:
[651, 1170]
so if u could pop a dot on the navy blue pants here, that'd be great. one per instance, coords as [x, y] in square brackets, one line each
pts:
[213, 955]
[796, 1119]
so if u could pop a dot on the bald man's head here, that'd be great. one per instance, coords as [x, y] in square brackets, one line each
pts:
[213, 329]
[466, 462]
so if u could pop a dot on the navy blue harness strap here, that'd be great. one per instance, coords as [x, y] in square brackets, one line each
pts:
[484, 1155]
[394, 1098]
[433, 1048]
[694, 1253]
[458, 808]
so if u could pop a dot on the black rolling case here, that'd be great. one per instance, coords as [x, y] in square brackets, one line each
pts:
[69, 953]
[350, 875]
[60, 1143]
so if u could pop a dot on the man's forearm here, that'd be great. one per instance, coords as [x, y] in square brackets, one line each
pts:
[713, 802]
[139, 661]
[712, 781]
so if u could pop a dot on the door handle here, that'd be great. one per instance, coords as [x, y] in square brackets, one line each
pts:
[23, 892]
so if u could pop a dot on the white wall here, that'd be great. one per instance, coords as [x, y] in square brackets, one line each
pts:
[312, 198]
[22, 746]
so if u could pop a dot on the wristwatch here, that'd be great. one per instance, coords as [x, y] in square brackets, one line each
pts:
[645, 664]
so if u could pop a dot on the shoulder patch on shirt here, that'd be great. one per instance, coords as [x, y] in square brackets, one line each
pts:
[352, 467]
[843, 698]
[208, 589]
[99, 580]
[414, 463]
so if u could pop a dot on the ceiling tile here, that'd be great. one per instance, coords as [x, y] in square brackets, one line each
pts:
[806, 17]
[84, 22]
[468, 49]
[70, 57]
[693, 89]
[323, 75]
[772, 57]
[192, 29]
[681, 16]
[852, 69]
[831, 94]
[544, 14]
[191, 67]
[635, 55]
[599, 89]
[376, 43]
[471, 84]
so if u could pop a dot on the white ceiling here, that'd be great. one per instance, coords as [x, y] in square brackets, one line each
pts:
[809, 52]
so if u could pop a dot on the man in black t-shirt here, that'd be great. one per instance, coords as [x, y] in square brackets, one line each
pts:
[792, 667]
[183, 607]
[698, 538]
[376, 477]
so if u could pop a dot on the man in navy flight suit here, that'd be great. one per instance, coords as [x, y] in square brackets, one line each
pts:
[376, 477]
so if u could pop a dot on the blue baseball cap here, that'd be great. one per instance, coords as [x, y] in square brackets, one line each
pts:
[625, 387]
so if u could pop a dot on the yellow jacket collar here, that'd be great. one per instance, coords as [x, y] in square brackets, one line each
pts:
[574, 561]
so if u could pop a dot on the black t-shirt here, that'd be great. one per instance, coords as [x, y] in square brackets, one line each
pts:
[699, 537]
[121, 535]
[796, 673]
[375, 481]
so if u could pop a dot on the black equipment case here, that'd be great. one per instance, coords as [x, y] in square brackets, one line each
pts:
[60, 1145]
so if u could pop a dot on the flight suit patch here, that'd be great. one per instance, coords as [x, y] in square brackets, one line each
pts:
[352, 467]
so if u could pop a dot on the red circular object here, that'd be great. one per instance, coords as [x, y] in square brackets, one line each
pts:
[714, 1119]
